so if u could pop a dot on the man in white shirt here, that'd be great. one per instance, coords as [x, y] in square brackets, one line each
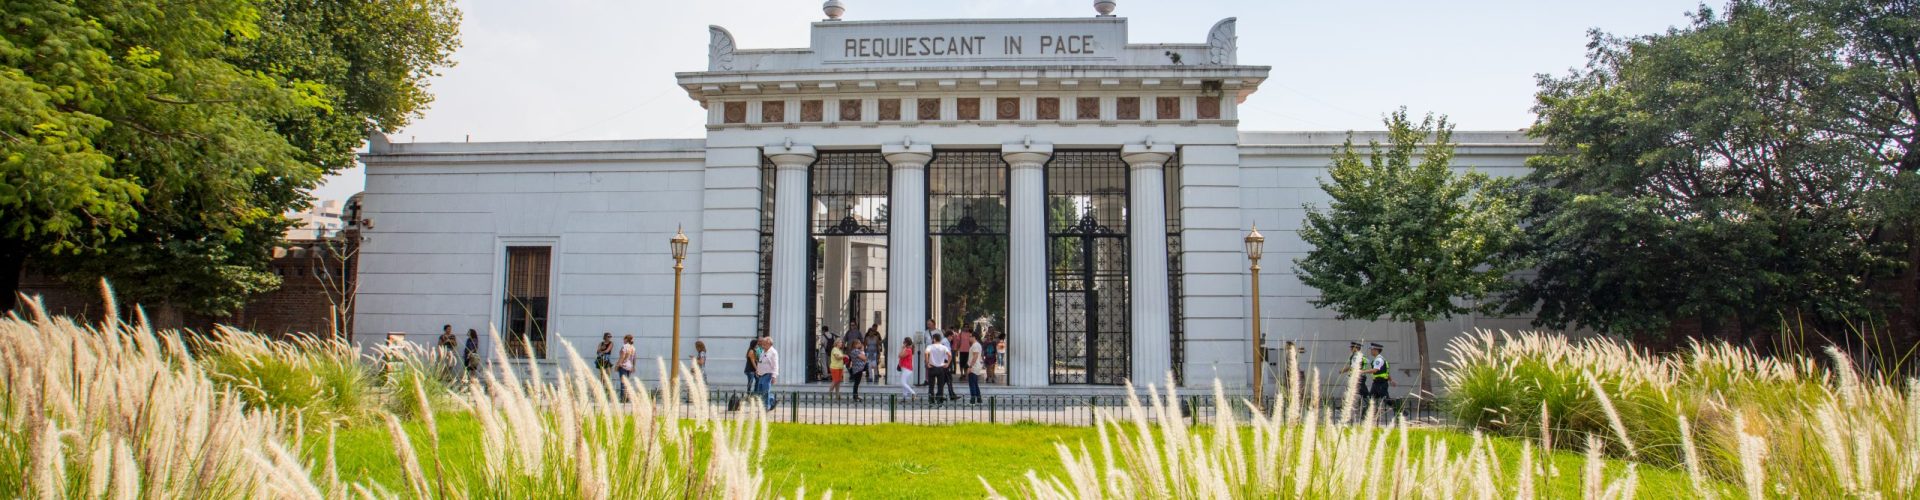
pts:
[940, 367]
[1379, 373]
[920, 339]
[766, 368]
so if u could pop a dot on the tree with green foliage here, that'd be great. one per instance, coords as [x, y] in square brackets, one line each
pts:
[974, 267]
[1751, 169]
[160, 144]
[1405, 237]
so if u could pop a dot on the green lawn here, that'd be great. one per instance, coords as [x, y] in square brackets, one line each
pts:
[901, 461]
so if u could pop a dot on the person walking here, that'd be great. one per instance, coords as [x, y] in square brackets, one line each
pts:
[1381, 373]
[473, 352]
[1357, 362]
[990, 353]
[921, 338]
[624, 366]
[905, 367]
[963, 349]
[700, 358]
[874, 346]
[766, 369]
[836, 368]
[975, 368]
[858, 366]
[753, 358]
[603, 355]
[940, 368]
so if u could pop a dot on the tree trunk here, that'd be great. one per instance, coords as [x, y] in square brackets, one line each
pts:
[13, 258]
[1426, 365]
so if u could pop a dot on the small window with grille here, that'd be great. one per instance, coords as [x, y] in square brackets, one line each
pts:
[527, 300]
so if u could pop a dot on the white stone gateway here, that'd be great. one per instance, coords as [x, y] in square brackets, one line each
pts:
[1086, 192]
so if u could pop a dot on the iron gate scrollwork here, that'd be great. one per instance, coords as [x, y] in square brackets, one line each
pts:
[1088, 262]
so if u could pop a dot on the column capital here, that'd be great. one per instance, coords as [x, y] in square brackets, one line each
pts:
[789, 155]
[907, 156]
[1026, 154]
[1146, 155]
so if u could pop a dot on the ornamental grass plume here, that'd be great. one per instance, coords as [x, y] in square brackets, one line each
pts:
[120, 410]
[1741, 424]
[1302, 450]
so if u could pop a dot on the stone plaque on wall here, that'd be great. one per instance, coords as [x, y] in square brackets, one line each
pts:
[735, 112]
[889, 110]
[1126, 108]
[812, 111]
[1166, 108]
[968, 108]
[1007, 108]
[1088, 108]
[849, 110]
[1046, 108]
[929, 108]
[1207, 107]
[773, 111]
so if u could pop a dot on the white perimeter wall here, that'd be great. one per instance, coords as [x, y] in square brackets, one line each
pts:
[443, 214]
[1280, 172]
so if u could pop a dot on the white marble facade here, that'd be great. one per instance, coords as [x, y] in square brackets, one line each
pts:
[445, 213]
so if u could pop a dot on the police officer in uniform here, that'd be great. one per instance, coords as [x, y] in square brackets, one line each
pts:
[1358, 361]
[1380, 373]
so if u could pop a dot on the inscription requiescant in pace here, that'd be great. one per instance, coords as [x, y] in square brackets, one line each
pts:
[963, 46]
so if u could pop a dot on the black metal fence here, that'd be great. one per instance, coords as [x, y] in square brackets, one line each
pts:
[824, 408]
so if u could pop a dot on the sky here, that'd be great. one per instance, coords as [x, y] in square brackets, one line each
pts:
[554, 70]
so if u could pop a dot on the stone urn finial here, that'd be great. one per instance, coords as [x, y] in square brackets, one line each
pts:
[834, 9]
[1104, 7]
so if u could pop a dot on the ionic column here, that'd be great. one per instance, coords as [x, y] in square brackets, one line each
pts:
[788, 312]
[1147, 233]
[1027, 265]
[907, 240]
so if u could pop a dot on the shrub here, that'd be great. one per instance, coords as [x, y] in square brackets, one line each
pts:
[321, 381]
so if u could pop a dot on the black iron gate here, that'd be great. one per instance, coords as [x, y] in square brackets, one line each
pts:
[1087, 292]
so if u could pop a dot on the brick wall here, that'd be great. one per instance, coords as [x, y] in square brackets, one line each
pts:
[301, 303]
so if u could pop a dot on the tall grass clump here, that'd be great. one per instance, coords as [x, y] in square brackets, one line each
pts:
[1299, 450]
[572, 437]
[1763, 426]
[121, 410]
[320, 380]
